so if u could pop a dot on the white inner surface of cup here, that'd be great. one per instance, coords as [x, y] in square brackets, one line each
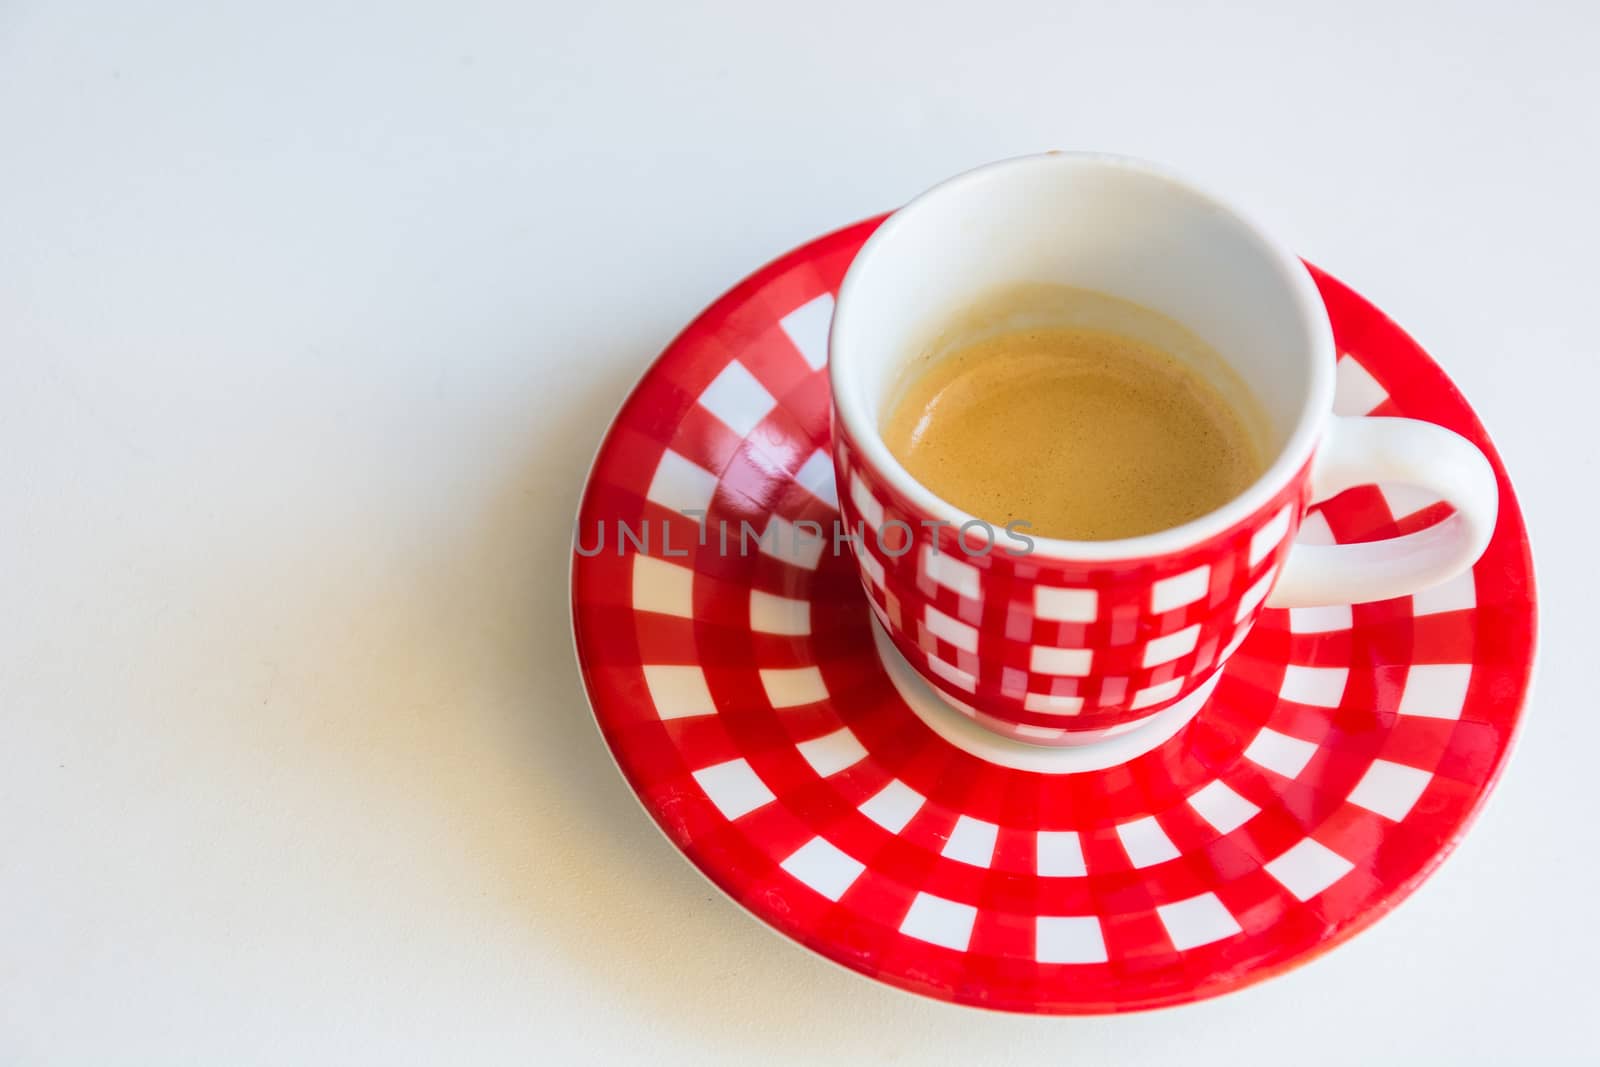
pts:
[1104, 223]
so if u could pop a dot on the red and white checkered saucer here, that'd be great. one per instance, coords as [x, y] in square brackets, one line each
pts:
[1342, 754]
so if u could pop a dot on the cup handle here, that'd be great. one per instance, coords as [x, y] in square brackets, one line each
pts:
[1359, 451]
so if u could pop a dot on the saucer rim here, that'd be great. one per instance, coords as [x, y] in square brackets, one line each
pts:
[1510, 508]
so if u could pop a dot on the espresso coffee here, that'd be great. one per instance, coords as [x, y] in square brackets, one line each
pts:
[1083, 431]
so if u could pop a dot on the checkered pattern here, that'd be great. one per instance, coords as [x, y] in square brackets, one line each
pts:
[1051, 644]
[1342, 755]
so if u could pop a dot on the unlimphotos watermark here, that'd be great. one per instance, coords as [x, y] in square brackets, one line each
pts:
[894, 538]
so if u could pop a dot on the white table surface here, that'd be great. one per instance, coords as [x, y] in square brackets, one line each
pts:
[311, 315]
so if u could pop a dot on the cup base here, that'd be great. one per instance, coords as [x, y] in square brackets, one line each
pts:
[1069, 754]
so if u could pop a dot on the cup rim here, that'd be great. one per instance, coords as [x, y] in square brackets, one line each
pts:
[1290, 459]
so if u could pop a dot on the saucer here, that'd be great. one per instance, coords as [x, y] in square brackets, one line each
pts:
[772, 733]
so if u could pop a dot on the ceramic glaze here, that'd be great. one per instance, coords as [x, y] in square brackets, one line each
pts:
[1342, 752]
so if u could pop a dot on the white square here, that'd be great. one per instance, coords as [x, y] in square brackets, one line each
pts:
[1314, 530]
[807, 328]
[1390, 789]
[1220, 806]
[662, 587]
[734, 787]
[1308, 868]
[1146, 843]
[952, 674]
[832, 753]
[1061, 854]
[790, 687]
[1166, 649]
[1051, 704]
[815, 476]
[1436, 690]
[1156, 694]
[954, 631]
[736, 398]
[1264, 540]
[939, 921]
[888, 612]
[771, 614]
[1280, 752]
[1055, 604]
[824, 867]
[1038, 733]
[893, 806]
[870, 567]
[971, 841]
[1114, 690]
[1322, 620]
[1355, 390]
[785, 541]
[1254, 596]
[1071, 662]
[679, 691]
[1322, 687]
[1068, 939]
[1197, 921]
[1458, 594]
[1403, 500]
[950, 572]
[680, 486]
[866, 504]
[1180, 589]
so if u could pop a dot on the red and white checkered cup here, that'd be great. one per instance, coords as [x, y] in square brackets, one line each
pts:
[1071, 642]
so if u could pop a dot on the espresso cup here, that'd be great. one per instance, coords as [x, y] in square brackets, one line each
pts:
[1067, 642]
